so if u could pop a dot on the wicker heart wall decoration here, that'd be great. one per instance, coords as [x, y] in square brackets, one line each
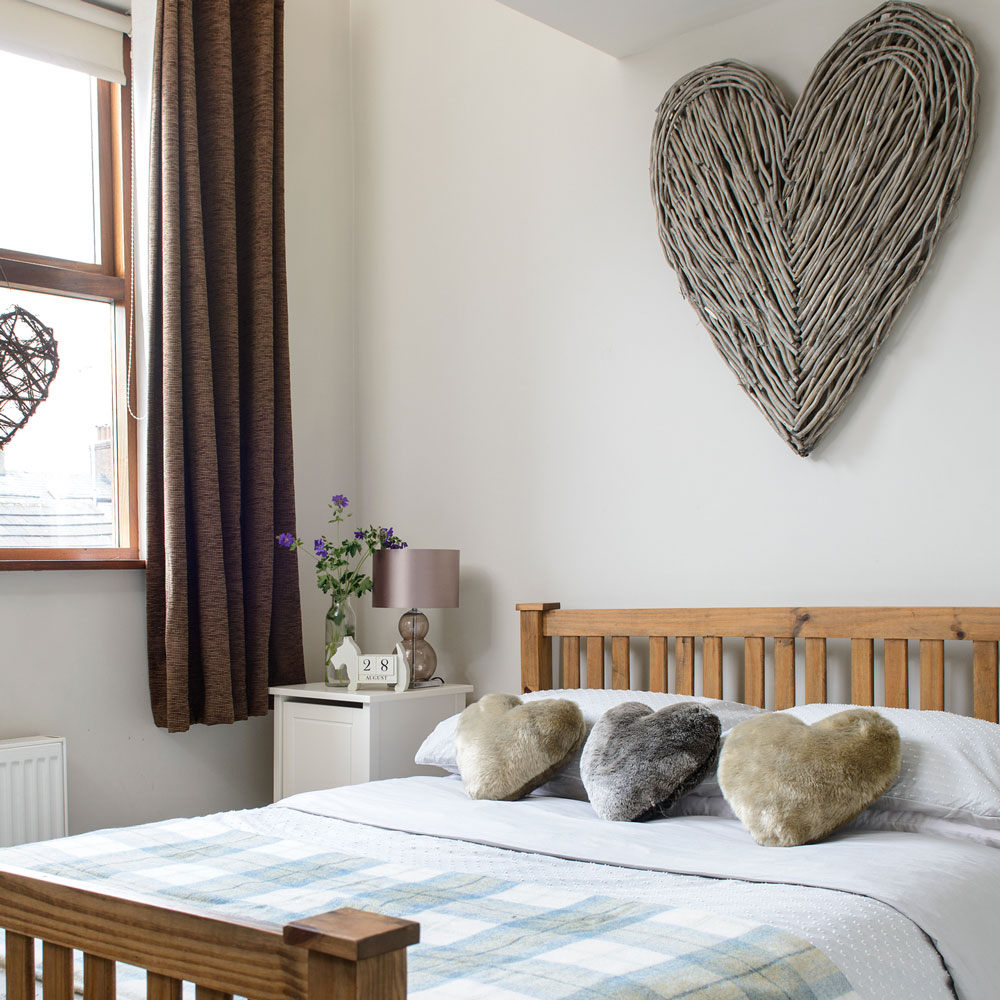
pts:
[28, 363]
[797, 234]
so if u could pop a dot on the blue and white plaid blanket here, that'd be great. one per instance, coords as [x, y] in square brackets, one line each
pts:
[480, 937]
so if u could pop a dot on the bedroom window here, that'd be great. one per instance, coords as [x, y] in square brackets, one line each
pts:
[68, 473]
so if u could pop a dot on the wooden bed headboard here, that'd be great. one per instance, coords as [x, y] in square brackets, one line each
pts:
[895, 627]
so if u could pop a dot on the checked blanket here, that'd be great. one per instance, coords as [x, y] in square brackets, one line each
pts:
[480, 937]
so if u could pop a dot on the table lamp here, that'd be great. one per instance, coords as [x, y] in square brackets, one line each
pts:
[415, 578]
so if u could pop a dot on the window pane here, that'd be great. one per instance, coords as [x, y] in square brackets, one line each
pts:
[58, 474]
[48, 170]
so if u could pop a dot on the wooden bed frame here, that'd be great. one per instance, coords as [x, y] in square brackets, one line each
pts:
[353, 955]
[344, 954]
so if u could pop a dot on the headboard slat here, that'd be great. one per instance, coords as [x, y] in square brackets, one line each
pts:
[984, 680]
[620, 667]
[863, 671]
[784, 672]
[815, 671]
[595, 661]
[897, 675]
[753, 671]
[711, 667]
[685, 664]
[932, 674]
[570, 661]
[658, 663]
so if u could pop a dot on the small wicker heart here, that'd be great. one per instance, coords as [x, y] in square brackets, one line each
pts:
[28, 364]
[797, 235]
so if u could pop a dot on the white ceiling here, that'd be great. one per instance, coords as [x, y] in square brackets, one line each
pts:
[626, 27]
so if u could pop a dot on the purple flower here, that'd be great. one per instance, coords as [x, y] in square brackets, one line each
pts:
[390, 542]
[339, 501]
[286, 540]
[359, 534]
[319, 547]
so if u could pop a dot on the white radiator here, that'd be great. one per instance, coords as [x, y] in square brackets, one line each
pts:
[32, 789]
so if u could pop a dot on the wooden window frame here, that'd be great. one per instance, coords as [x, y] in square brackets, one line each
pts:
[108, 281]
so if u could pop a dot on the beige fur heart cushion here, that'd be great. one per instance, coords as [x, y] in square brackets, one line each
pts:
[792, 784]
[505, 748]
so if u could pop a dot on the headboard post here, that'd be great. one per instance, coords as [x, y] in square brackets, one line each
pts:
[536, 649]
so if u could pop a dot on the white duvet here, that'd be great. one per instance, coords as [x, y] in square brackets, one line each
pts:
[896, 912]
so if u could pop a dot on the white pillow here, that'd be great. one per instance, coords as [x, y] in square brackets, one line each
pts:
[438, 750]
[950, 765]
[913, 822]
[871, 819]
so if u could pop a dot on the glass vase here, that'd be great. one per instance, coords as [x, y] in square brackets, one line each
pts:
[341, 621]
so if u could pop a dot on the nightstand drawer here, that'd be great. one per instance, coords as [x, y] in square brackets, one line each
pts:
[326, 737]
[324, 745]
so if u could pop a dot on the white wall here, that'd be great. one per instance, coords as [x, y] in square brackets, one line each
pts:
[72, 644]
[549, 403]
[319, 210]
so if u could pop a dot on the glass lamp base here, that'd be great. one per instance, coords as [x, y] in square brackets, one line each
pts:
[420, 654]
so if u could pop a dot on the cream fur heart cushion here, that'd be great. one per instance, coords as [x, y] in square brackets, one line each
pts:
[791, 784]
[506, 748]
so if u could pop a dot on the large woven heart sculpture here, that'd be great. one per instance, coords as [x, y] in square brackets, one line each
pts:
[28, 364]
[798, 234]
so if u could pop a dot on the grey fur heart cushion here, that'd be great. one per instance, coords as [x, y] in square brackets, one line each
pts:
[505, 748]
[791, 784]
[637, 762]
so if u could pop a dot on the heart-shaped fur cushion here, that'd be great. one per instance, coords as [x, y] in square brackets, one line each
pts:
[637, 762]
[798, 234]
[792, 784]
[505, 749]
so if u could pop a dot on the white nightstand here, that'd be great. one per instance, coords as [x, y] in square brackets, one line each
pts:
[325, 737]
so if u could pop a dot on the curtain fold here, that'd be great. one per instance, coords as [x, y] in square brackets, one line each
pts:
[223, 614]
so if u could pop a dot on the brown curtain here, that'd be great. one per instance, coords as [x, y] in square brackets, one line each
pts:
[223, 615]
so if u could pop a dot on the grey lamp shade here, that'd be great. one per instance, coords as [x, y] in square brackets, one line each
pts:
[415, 578]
